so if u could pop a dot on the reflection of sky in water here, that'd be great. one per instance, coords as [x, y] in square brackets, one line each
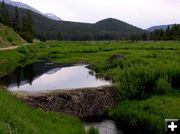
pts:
[64, 78]
[104, 127]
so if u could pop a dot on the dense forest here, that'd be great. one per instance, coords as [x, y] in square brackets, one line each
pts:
[171, 33]
[31, 25]
[23, 25]
[47, 29]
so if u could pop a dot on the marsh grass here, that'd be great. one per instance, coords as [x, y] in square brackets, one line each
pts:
[92, 130]
[146, 80]
[16, 117]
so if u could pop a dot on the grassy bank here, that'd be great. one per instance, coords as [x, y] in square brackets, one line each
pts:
[146, 77]
[147, 114]
[8, 37]
[16, 117]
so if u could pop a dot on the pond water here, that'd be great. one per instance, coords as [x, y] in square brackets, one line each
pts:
[44, 77]
[104, 127]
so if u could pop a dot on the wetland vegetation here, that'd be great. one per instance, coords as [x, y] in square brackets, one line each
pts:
[145, 76]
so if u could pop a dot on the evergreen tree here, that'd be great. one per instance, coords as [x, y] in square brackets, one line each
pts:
[4, 16]
[60, 36]
[27, 28]
[168, 33]
[16, 20]
[145, 36]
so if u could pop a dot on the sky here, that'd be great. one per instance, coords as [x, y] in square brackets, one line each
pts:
[141, 13]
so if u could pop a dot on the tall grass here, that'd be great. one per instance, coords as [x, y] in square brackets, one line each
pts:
[140, 81]
[92, 130]
[145, 80]
[18, 118]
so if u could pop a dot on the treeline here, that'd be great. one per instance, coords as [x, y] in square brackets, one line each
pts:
[31, 25]
[22, 25]
[171, 33]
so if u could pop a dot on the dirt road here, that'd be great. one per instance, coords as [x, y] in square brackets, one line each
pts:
[9, 48]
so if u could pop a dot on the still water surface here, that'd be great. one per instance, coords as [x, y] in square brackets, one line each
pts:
[104, 127]
[43, 77]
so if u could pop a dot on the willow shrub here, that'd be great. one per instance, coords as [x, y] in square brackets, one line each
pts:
[141, 82]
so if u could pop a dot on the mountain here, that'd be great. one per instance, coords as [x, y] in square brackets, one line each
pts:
[107, 29]
[25, 6]
[52, 16]
[111, 24]
[8, 37]
[163, 27]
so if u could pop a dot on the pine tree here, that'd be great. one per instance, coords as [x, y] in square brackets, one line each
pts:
[4, 17]
[59, 36]
[16, 20]
[27, 28]
[168, 33]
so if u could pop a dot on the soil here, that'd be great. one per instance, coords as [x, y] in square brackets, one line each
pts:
[8, 48]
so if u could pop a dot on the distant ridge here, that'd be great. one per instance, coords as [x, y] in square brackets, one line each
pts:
[115, 25]
[163, 27]
[25, 6]
[106, 29]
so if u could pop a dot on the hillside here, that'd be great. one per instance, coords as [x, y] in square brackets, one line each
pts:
[8, 37]
[105, 29]
[115, 25]
[163, 27]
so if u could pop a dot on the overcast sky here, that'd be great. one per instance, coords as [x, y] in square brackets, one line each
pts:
[141, 13]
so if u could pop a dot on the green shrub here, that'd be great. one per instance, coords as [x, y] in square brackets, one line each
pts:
[10, 39]
[23, 50]
[162, 86]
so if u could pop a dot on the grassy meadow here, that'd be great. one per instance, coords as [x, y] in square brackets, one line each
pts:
[146, 81]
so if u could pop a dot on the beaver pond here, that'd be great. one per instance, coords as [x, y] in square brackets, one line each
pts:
[43, 77]
[104, 127]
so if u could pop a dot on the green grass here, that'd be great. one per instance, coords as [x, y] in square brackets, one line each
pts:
[18, 118]
[147, 76]
[149, 114]
[92, 130]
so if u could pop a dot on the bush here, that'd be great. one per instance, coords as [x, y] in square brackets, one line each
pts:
[142, 82]
[27, 36]
[23, 50]
[10, 39]
[162, 86]
[135, 83]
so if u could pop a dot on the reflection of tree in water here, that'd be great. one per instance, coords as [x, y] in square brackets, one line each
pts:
[27, 74]
[18, 78]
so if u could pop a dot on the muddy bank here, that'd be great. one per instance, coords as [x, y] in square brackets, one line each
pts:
[81, 102]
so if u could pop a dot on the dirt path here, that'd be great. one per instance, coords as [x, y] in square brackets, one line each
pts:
[9, 48]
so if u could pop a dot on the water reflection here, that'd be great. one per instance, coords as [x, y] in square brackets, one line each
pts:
[104, 127]
[39, 77]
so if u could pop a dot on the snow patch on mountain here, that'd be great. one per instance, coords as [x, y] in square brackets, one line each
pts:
[25, 6]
